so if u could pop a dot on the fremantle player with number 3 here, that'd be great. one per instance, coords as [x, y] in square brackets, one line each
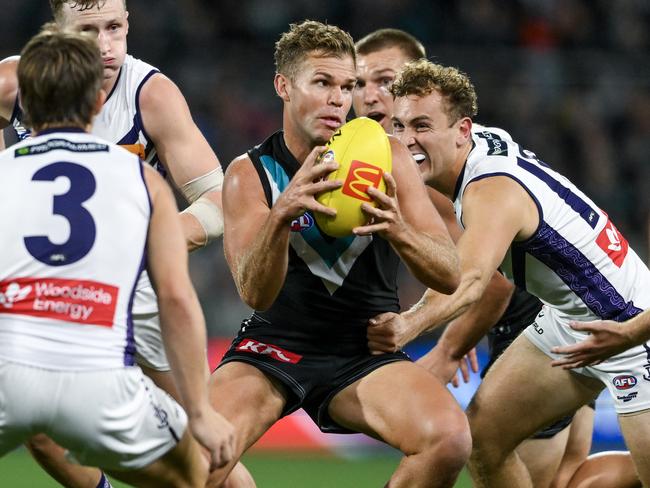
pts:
[550, 239]
[68, 272]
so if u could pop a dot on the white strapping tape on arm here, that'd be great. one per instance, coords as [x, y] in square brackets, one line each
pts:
[202, 208]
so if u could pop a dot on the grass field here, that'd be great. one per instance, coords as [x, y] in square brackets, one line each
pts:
[286, 470]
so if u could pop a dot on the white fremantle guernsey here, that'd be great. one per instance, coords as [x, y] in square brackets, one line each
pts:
[577, 261]
[73, 249]
[120, 122]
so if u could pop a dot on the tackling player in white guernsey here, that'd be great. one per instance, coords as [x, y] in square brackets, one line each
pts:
[147, 114]
[67, 281]
[551, 239]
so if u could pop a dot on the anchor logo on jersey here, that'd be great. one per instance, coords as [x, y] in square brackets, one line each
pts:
[13, 293]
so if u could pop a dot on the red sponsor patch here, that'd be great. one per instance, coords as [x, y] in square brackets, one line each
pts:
[80, 301]
[613, 243]
[360, 176]
[277, 353]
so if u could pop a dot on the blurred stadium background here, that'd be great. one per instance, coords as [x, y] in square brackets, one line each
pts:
[569, 79]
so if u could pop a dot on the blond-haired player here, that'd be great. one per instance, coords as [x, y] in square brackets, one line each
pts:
[305, 345]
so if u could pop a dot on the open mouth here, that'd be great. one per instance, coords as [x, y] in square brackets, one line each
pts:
[376, 116]
[419, 157]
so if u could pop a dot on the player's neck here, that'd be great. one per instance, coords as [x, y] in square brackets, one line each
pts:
[53, 127]
[109, 83]
[297, 145]
[447, 181]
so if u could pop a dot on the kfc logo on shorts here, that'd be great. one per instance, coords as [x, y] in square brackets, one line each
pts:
[80, 301]
[361, 176]
[613, 243]
[304, 222]
[250, 345]
[624, 382]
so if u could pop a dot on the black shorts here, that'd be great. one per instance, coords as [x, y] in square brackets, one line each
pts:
[520, 314]
[312, 378]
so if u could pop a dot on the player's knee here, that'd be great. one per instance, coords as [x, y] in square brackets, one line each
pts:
[447, 441]
[486, 449]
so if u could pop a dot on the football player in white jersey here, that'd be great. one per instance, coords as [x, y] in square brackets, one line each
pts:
[554, 458]
[147, 114]
[548, 237]
[67, 281]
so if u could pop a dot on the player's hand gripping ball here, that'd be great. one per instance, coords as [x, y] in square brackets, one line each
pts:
[362, 149]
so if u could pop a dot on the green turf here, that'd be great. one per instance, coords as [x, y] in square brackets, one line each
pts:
[285, 470]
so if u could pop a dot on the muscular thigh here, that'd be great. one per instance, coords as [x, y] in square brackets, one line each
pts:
[396, 403]
[522, 393]
[248, 398]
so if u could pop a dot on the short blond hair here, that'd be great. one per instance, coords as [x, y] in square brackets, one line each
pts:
[422, 77]
[57, 6]
[60, 74]
[310, 37]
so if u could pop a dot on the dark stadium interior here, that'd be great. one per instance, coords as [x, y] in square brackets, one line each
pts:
[569, 79]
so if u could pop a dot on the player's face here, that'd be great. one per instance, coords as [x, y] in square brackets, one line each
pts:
[422, 124]
[109, 24]
[320, 96]
[375, 75]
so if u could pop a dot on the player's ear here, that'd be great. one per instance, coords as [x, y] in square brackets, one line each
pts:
[282, 86]
[464, 131]
[99, 103]
[126, 20]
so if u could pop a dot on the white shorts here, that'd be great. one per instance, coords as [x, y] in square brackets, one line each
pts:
[149, 347]
[627, 375]
[115, 419]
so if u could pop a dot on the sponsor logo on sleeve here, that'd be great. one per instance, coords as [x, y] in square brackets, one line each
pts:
[612, 242]
[277, 353]
[79, 301]
[361, 176]
[624, 382]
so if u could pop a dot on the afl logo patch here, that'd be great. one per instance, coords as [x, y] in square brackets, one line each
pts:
[624, 382]
[304, 222]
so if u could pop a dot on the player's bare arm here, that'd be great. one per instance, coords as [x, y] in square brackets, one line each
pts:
[256, 238]
[182, 322]
[186, 155]
[8, 89]
[482, 247]
[607, 338]
[465, 331]
[407, 219]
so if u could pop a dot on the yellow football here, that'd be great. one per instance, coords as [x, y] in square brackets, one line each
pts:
[362, 149]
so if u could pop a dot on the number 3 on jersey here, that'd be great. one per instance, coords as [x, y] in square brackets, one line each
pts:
[68, 205]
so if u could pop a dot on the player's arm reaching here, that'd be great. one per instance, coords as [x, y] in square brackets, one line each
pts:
[256, 238]
[182, 322]
[406, 218]
[479, 259]
[607, 338]
[187, 156]
[459, 338]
